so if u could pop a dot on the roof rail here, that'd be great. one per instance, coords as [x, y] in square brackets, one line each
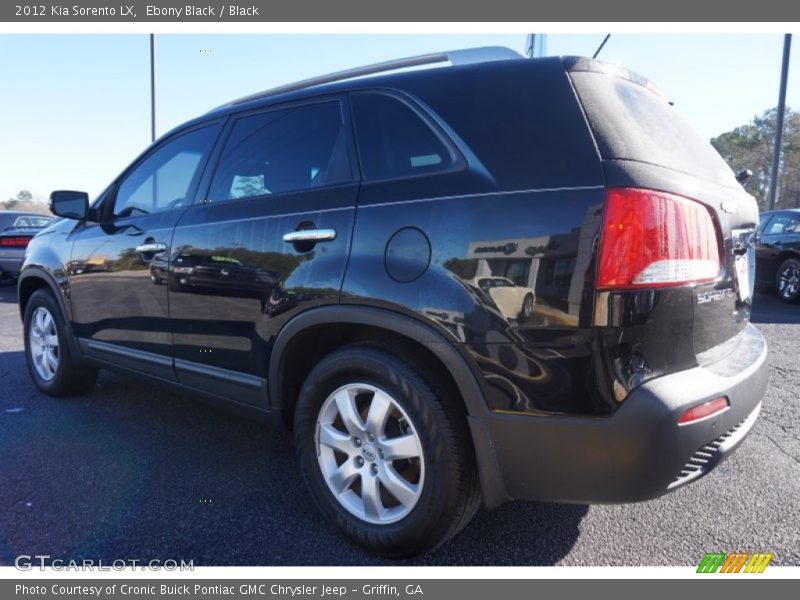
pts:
[454, 57]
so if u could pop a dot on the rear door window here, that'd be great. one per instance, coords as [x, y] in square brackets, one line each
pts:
[393, 139]
[285, 150]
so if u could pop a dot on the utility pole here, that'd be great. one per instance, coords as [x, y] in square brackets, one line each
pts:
[776, 158]
[153, 87]
[536, 45]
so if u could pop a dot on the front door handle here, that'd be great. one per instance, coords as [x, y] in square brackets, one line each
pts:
[151, 248]
[310, 235]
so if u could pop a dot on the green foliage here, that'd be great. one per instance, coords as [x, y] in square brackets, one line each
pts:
[750, 146]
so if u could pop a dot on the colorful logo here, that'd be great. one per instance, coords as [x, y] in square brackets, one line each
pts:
[735, 562]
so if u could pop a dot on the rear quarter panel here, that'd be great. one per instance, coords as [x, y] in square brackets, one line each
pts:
[527, 207]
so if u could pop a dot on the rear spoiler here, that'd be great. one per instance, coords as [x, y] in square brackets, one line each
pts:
[575, 64]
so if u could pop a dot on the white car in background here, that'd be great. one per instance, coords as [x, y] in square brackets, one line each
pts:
[514, 301]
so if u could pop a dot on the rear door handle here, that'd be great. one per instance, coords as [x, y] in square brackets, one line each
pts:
[151, 248]
[310, 235]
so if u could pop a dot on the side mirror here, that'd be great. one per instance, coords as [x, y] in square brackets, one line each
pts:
[743, 175]
[69, 204]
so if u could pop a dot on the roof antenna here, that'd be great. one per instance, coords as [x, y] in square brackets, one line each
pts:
[603, 43]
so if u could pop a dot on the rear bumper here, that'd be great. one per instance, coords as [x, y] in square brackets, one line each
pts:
[638, 453]
[11, 261]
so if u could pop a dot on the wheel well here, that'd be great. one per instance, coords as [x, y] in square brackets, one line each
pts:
[26, 289]
[312, 344]
[785, 255]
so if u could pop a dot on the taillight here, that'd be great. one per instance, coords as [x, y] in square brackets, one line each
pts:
[655, 239]
[15, 242]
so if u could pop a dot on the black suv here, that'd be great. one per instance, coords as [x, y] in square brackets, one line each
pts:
[778, 253]
[321, 252]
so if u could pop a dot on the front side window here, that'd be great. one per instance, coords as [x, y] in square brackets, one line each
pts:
[394, 141]
[163, 180]
[284, 150]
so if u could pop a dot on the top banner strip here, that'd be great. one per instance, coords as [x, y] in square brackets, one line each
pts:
[707, 11]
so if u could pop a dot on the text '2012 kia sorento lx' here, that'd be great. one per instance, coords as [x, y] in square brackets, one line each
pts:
[498, 279]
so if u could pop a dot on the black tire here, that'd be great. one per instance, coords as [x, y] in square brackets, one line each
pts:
[527, 308]
[449, 496]
[70, 378]
[787, 284]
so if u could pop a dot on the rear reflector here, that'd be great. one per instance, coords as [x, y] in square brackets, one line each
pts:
[655, 239]
[15, 242]
[702, 411]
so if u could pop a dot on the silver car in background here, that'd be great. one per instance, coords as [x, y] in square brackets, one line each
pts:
[16, 230]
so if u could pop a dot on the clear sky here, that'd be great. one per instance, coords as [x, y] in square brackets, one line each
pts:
[74, 109]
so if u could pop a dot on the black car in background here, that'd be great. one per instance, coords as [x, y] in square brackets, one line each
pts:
[778, 253]
[324, 244]
[17, 228]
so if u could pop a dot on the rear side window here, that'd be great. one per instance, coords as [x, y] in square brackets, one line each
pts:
[631, 122]
[394, 141]
[520, 120]
[284, 150]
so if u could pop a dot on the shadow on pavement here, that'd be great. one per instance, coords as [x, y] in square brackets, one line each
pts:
[132, 471]
[8, 293]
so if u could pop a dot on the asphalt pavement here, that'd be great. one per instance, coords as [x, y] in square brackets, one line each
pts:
[133, 472]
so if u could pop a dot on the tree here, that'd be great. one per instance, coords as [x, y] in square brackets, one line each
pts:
[25, 201]
[750, 146]
[22, 197]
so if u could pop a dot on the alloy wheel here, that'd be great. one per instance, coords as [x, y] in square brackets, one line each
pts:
[789, 282]
[43, 339]
[369, 453]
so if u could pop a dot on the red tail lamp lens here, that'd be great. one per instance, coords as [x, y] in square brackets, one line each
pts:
[15, 242]
[655, 239]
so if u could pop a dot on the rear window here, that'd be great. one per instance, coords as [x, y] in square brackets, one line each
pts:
[630, 122]
[32, 221]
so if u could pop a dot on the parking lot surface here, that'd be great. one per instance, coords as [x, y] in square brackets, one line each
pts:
[133, 472]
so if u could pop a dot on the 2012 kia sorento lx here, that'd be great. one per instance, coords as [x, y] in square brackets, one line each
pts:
[501, 278]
